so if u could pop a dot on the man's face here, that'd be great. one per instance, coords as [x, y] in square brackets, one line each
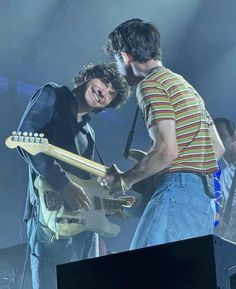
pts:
[229, 143]
[127, 70]
[98, 94]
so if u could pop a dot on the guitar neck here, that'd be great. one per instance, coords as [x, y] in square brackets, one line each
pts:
[77, 161]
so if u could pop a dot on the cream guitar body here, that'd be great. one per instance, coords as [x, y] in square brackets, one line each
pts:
[53, 215]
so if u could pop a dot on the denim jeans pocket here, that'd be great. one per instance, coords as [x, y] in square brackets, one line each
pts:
[184, 222]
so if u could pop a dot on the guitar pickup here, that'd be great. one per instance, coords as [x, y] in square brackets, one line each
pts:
[97, 203]
[65, 220]
[53, 201]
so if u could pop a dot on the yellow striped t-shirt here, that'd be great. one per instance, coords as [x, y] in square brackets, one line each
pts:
[166, 95]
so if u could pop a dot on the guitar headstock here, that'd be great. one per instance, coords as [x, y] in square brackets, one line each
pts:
[33, 143]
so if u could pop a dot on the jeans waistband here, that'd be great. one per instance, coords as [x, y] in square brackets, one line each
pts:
[184, 172]
[188, 177]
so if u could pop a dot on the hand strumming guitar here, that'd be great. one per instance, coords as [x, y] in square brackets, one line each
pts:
[114, 180]
[74, 197]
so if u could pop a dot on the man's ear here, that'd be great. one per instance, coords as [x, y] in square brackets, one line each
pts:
[127, 57]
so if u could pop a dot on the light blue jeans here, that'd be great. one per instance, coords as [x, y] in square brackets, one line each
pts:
[179, 209]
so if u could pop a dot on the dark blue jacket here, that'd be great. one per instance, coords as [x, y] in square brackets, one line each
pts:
[53, 111]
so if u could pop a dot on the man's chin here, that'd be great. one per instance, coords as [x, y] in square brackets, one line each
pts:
[132, 79]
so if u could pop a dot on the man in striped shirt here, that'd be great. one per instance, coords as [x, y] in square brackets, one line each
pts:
[185, 144]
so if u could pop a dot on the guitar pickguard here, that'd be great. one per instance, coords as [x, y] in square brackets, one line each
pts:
[69, 223]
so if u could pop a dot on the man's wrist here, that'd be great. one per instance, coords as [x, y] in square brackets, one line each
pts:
[125, 186]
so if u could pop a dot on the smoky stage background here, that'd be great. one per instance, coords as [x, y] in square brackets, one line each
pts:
[43, 41]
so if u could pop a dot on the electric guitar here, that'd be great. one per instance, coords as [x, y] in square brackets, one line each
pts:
[53, 215]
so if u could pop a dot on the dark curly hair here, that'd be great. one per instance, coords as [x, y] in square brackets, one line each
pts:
[109, 74]
[230, 125]
[140, 39]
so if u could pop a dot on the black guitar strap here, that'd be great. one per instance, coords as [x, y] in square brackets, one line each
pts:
[131, 134]
[128, 143]
[98, 153]
[95, 145]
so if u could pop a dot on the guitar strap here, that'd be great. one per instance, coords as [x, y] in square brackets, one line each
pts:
[132, 130]
[95, 145]
[229, 203]
[131, 134]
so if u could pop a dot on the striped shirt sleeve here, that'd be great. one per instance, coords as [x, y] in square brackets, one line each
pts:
[154, 102]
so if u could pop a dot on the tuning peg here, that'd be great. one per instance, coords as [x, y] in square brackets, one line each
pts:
[30, 134]
[14, 136]
[19, 133]
[41, 135]
[25, 133]
[36, 134]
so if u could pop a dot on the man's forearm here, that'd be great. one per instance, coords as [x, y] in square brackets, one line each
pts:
[151, 164]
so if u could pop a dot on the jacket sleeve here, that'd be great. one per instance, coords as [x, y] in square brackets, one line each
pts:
[37, 118]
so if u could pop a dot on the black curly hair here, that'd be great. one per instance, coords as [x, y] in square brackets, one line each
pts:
[230, 125]
[141, 39]
[109, 74]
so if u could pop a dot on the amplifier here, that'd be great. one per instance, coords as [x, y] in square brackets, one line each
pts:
[207, 262]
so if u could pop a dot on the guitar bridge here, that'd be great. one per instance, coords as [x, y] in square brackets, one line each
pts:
[66, 220]
[53, 201]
